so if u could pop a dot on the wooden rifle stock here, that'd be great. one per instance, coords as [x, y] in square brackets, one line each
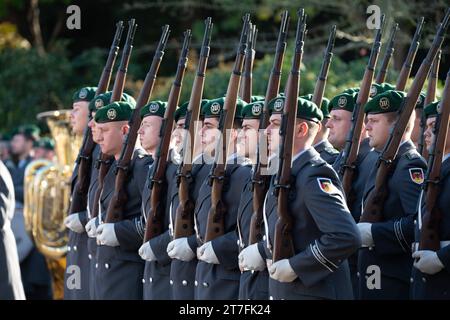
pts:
[120, 196]
[407, 65]
[429, 234]
[216, 216]
[373, 210]
[80, 191]
[351, 148]
[184, 216]
[260, 182]
[283, 246]
[382, 73]
[155, 217]
[245, 89]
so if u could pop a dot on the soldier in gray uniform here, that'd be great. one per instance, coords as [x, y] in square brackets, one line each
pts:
[431, 271]
[321, 143]
[324, 233]
[253, 283]
[156, 283]
[182, 251]
[384, 261]
[11, 287]
[342, 107]
[217, 275]
[119, 267]
[77, 255]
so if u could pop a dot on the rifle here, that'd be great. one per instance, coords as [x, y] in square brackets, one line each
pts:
[407, 65]
[373, 210]
[155, 218]
[216, 216]
[381, 75]
[283, 244]
[321, 81]
[429, 234]
[184, 216]
[84, 160]
[429, 98]
[260, 182]
[351, 149]
[105, 161]
[245, 89]
[120, 197]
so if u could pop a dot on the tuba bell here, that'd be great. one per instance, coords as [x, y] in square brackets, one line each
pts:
[47, 196]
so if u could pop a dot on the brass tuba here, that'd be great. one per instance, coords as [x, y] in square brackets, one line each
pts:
[47, 196]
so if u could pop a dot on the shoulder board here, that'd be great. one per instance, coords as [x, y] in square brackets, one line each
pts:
[412, 154]
[331, 150]
[246, 163]
[317, 162]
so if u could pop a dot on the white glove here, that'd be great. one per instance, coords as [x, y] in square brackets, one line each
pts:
[72, 221]
[91, 228]
[365, 230]
[180, 249]
[250, 259]
[106, 235]
[206, 253]
[146, 252]
[282, 271]
[428, 261]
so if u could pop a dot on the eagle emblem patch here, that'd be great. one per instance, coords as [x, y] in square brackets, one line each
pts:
[416, 175]
[325, 185]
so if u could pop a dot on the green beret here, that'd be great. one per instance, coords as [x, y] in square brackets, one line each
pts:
[432, 109]
[420, 101]
[376, 88]
[253, 110]
[45, 143]
[389, 101]
[105, 98]
[351, 90]
[213, 107]
[306, 109]
[30, 131]
[181, 111]
[344, 101]
[84, 94]
[323, 107]
[257, 98]
[154, 108]
[116, 111]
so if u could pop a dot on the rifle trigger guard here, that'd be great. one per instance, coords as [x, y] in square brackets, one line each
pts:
[124, 168]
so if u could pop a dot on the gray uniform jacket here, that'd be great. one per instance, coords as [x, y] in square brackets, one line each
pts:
[324, 233]
[120, 269]
[221, 281]
[327, 151]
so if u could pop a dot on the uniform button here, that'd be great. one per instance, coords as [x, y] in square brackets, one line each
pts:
[96, 266]
[253, 271]
[74, 248]
[205, 284]
[143, 280]
[150, 279]
[68, 248]
[90, 256]
[415, 221]
[195, 283]
[171, 282]
[270, 298]
[264, 237]
[238, 242]
[423, 279]
[370, 248]
[184, 283]
[357, 274]
[106, 266]
[411, 279]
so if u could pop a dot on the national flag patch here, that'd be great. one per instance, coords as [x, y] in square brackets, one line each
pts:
[416, 175]
[325, 185]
